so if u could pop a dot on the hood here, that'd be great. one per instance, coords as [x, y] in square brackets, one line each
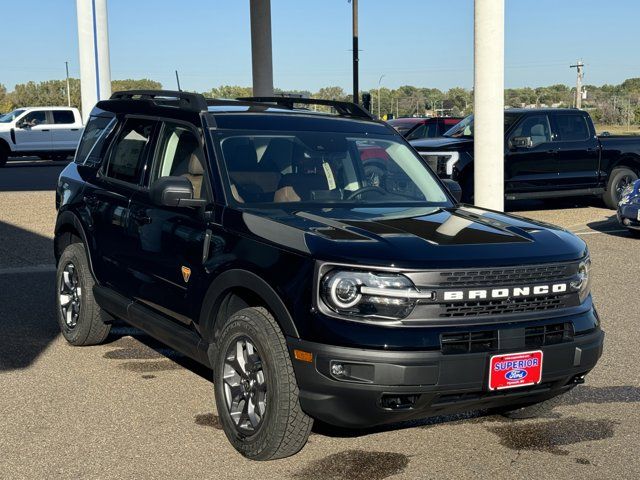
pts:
[405, 237]
[442, 143]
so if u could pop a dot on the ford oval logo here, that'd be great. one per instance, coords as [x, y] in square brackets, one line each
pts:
[515, 374]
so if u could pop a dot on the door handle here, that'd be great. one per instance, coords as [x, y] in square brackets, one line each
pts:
[44, 130]
[140, 217]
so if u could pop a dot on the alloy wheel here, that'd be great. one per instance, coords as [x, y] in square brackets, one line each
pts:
[623, 183]
[245, 387]
[70, 295]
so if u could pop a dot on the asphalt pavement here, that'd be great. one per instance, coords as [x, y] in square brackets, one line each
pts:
[132, 408]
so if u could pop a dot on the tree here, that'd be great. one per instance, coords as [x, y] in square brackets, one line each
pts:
[130, 84]
[229, 91]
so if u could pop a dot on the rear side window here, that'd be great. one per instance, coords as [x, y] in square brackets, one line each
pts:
[572, 128]
[128, 154]
[63, 117]
[92, 140]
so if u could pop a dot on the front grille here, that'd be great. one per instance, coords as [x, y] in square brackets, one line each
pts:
[502, 307]
[453, 343]
[503, 276]
[469, 342]
[548, 334]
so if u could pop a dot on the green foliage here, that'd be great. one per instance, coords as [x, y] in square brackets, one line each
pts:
[229, 91]
[130, 84]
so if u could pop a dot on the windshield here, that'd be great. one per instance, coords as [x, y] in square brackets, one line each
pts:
[464, 129]
[11, 116]
[326, 169]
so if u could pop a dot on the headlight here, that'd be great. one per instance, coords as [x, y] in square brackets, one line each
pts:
[582, 283]
[441, 163]
[370, 294]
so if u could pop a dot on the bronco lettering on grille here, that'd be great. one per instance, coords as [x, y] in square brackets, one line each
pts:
[503, 293]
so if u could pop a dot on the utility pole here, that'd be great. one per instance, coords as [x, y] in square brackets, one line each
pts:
[379, 94]
[66, 65]
[356, 89]
[580, 74]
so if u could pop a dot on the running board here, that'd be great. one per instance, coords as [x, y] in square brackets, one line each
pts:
[556, 193]
[175, 336]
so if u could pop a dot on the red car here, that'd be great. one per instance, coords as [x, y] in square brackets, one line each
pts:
[418, 128]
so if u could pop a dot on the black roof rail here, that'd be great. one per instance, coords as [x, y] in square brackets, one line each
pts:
[191, 101]
[346, 109]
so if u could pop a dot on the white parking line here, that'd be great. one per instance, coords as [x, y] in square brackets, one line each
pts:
[604, 231]
[28, 269]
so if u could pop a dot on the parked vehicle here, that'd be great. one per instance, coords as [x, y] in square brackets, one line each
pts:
[404, 124]
[46, 132]
[629, 208]
[431, 128]
[246, 235]
[548, 153]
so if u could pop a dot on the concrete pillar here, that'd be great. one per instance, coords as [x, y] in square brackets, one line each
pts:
[261, 61]
[93, 42]
[489, 103]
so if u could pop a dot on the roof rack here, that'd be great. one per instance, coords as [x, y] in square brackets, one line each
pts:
[198, 103]
[346, 109]
[191, 101]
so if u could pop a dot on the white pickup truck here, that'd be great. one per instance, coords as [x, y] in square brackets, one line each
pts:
[46, 132]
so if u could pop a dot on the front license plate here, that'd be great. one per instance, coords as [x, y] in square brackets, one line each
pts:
[515, 370]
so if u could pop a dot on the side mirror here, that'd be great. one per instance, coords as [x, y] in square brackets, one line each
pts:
[521, 142]
[454, 188]
[174, 192]
[21, 123]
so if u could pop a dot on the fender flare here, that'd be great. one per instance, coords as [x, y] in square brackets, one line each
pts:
[69, 219]
[248, 280]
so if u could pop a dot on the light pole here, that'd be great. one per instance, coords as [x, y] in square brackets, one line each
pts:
[379, 97]
[66, 64]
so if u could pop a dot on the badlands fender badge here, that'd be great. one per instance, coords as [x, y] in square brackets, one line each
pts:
[186, 273]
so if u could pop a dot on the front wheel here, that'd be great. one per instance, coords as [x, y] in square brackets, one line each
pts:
[4, 156]
[81, 320]
[619, 179]
[255, 388]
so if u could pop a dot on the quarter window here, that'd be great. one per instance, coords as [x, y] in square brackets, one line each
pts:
[128, 154]
[92, 139]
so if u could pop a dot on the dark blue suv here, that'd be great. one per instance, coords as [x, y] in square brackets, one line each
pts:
[253, 236]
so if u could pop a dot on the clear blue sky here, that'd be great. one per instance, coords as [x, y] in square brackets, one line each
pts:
[426, 43]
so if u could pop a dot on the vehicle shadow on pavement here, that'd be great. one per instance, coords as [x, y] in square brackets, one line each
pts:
[30, 175]
[136, 351]
[610, 226]
[27, 291]
[513, 206]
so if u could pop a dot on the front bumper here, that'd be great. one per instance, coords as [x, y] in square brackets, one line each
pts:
[405, 385]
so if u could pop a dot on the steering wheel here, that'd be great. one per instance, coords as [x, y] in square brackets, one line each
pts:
[368, 188]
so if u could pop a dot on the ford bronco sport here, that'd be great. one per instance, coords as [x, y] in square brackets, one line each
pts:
[245, 234]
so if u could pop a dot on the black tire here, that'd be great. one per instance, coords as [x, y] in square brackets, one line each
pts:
[283, 428]
[4, 155]
[618, 179]
[634, 233]
[87, 324]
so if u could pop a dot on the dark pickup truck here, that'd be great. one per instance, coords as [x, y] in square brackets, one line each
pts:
[548, 153]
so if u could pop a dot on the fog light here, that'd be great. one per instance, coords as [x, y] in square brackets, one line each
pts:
[338, 370]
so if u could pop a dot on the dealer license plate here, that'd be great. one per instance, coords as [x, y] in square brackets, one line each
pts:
[515, 370]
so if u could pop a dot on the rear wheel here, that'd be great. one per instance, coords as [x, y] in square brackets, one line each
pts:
[255, 388]
[619, 179]
[81, 320]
